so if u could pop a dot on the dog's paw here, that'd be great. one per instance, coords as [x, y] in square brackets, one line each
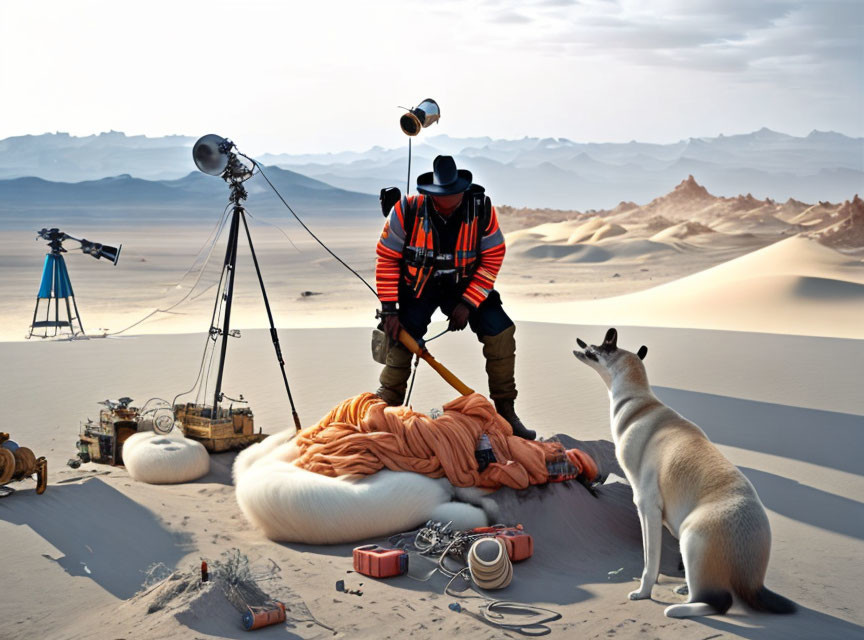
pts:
[639, 595]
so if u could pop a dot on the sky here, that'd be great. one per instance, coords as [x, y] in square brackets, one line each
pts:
[280, 76]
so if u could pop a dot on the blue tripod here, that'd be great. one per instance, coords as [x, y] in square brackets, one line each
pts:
[55, 287]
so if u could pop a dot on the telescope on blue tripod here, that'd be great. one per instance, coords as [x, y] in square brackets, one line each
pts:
[56, 288]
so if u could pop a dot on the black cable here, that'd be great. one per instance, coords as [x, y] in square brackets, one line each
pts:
[411, 387]
[207, 343]
[217, 314]
[276, 226]
[308, 230]
[218, 229]
[417, 362]
[198, 377]
[408, 183]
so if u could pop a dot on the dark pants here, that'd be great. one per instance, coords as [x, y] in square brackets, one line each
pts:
[489, 322]
[489, 319]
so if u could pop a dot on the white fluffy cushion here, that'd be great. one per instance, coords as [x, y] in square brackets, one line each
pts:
[291, 504]
[164, 459]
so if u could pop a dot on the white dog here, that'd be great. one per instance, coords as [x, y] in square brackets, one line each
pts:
[683, 481]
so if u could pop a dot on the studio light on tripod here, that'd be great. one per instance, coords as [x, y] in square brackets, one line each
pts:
[55, 287]
[420, 117]
[217, 156]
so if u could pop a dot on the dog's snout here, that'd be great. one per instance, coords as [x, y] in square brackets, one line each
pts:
[581, 343]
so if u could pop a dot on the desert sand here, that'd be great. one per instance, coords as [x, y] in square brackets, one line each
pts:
[751, 330]
[784, 408]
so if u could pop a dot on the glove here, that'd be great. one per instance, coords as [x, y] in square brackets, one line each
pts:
[391, 326]
[390, 320]
[459, 317]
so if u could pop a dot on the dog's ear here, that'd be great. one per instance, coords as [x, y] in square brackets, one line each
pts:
[611, 339]
[643, 351]
[581, 343]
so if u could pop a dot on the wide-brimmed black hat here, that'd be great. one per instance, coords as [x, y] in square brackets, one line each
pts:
[444, 179]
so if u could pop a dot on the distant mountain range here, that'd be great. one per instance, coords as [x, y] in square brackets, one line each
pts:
[560, 173]
[190, 197]
[536, 172]
[66, 158]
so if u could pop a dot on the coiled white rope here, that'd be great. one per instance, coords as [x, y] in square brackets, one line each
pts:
[490, 568]
[489, 564]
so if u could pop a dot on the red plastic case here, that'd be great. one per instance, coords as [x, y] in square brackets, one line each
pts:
[520, 545]
[378, 562]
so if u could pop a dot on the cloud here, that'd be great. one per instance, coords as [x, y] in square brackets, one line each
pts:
[510, 17]
[740, 36]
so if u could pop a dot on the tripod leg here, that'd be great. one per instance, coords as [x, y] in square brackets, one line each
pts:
[56, 299]
[230, 264]
[47, 317]
[69, 314]
[273, 334]
[35, 311]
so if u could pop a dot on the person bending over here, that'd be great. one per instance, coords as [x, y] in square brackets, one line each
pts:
[443, 249]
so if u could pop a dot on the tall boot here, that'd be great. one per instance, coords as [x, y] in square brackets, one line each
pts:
[394, 376]
[500, 353]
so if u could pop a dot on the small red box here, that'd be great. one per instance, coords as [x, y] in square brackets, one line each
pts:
[378, 562]
[520, 545]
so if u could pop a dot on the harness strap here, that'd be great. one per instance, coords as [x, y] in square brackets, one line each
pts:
[420, 250]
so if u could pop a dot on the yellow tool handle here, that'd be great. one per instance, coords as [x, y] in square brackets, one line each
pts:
[412, 346]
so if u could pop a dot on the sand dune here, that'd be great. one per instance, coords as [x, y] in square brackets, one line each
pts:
[551, 231]
[795, 286]
[688, 232]
[625, 249]
[594, 230]
[681, 231]
[609, 230]
[568, 252]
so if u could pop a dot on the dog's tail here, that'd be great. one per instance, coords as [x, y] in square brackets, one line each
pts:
[763, 599]
[707, 603]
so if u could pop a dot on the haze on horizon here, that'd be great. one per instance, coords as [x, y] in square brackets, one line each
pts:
[329, 76]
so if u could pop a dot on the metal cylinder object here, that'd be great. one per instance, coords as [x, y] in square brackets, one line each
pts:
[258, 617]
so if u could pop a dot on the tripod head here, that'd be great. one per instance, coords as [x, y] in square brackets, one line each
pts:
[55, 239]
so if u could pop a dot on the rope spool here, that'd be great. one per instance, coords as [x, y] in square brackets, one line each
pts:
[7, 465]
[489, 564]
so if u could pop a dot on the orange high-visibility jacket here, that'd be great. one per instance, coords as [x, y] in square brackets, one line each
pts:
[412, 255]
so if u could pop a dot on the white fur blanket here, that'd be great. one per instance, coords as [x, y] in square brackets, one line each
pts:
[290, 504]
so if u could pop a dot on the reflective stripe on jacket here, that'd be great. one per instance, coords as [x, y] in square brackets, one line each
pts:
[413, 256]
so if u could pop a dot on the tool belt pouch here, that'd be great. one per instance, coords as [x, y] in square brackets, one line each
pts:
[380, 346]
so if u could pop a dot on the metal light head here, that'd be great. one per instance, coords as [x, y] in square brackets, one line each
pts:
[420, 117]
[217, 156]
[210, 154]
[101, 250]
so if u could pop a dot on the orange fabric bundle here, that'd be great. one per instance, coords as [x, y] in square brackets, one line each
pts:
[362, 435]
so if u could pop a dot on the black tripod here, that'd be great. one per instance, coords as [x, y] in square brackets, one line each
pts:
[238, 195]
